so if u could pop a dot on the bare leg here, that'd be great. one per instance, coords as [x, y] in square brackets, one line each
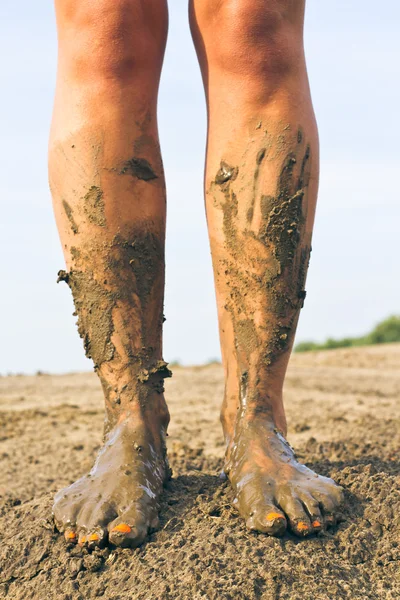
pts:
[107, 183]
[261, 188]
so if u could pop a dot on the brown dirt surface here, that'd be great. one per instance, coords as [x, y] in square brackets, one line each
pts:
[343, 414]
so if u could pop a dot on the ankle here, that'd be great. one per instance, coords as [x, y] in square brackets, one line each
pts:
[254, 407]
[154, 417]
[144, 431]
[140, 408]
[266, 414]
[136, 391]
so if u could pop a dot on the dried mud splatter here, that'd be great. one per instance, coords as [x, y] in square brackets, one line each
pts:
[155, 375]
[259, 158]
[226, 173]
[93, 305]
[265, 268]
[121, 279]
[93, 205]
[140, 168]
[70, 216]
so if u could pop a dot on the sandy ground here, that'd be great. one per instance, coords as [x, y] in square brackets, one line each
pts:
[343, 413]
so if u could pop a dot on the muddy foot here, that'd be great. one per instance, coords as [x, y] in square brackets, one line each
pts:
[275, 492]
[119, 499]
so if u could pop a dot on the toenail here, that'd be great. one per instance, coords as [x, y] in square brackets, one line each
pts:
[93, 537]
[302, 526]
[122, 528]
[329, 519]
[70, 535]
[274, 515]
[316, 524]
[83, 540]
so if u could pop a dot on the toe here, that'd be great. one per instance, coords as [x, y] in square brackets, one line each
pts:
[127, 536]
[70, 535]
[338, 495]
[333, 491]
[299, 522]
[96, 538]
[267, 519]
[64, 515]
[255, 503]
[314, 512]
[155, 523]
[93, 538]
[129, 530]
[92, 523]
[82, 538]
[329, 507]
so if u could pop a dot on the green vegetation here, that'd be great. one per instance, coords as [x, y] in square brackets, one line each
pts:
[213, 361]
[174, 364]
[386, 332]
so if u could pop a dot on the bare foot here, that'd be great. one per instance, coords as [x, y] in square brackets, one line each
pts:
[274, 491]
[119, 499]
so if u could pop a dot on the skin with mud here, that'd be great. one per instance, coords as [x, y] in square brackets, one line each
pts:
[265, 264]
[125, 506]
[261, 266]
[113, 282]
[272, 490]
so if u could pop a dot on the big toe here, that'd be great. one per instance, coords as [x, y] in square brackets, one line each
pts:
[267, 518]
[257, 507]
[131, 528]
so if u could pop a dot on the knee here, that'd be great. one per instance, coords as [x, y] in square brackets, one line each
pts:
[254, 38]
[111, 39]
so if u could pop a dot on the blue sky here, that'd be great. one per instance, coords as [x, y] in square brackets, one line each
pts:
[353, 51]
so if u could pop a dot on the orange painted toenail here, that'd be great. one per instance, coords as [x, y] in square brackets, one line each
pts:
[83, 540]
[274, 515]
[316, 524]
[93, 537]
[122, 528]
[301, 526]
[71, 535]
